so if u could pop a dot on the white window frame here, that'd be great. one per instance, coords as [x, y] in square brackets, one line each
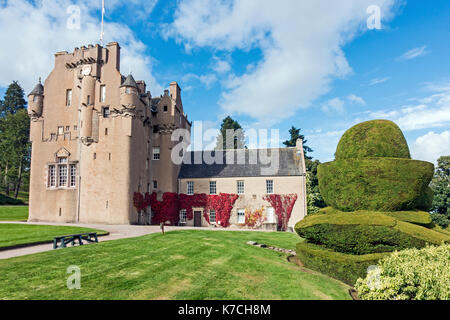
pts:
[183, 216]
[62, 175]
[241, 216]
[60, 130]
[269, 187]
[212, 213]
[240, 184]
[212, 187]
[68, 97]
[190, 188]
[73, 175]
[156, 153]
[102, 93]
[271, 216]
[52, 176]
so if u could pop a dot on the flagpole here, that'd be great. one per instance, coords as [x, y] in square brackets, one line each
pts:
[103, 14]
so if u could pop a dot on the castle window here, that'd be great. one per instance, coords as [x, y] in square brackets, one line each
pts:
[269, 186]
[106, 112]
[102, 93]
[67, 128]
[212, 216]
[73, 175]
[34, 98]
[183, 216]
[165, 109]
[155, 184]
[127, 90]
[60, 131]
[62, 175]
[212, 187]
[68, 97]
[190, 187]
[270, 215]
[106, 131]
[52, 136]
[156, 153]
[241, 216]
[240, 187]
[51, 176]
[88, 100]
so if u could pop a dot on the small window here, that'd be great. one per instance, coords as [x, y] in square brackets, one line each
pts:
[190, 187]
[155, 184]
[52, 136]
[156, 153]
[212, 216]
[60, 131]
[127, 90]
[95, 156]
[240, 187]
[183, 216]
[106, 131]
[62, 160]
[68, 97]
[270, 215]
[269, 186]
[88, 100]
[106, 112]
[73, 175]
[75, 128]
[35, 98]
[165, 108]
[62, 174]
[102, 93]
[109, 156]
[212, 187]
[67, 128]
[241, 216]
[51, 176]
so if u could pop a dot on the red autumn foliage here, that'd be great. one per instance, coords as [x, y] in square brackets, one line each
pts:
[192, 201]
[283, 205]
[138, 201]
[222, 204]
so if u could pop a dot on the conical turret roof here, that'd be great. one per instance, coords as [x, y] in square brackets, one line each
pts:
[129, 82]
[38, 90]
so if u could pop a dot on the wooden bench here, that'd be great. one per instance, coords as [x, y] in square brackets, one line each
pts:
[63, 241]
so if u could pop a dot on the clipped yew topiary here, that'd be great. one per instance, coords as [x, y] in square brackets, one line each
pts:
[375, 193]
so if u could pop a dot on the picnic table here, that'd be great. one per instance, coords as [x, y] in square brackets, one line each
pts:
[63, 241]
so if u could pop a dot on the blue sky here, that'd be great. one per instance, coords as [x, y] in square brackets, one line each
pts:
[315, 66]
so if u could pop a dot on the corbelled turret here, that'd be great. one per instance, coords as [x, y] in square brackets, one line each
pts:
[36, 101]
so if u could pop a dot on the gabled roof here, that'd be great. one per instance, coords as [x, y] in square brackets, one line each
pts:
[129, 82]
[289, 164]
[38, 90]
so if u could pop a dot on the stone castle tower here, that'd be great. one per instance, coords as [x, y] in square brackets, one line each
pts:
[97, 137]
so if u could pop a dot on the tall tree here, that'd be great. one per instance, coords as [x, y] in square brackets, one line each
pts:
[441, 187]
[230, 129]
[314, 199]
[14, 100]
[14, 135]
[295, 134]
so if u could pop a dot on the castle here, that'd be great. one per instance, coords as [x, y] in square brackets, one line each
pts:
[99, 137]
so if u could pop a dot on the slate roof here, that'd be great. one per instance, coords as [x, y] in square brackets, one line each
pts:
[289, 164]
[38, 90]
[129, 82]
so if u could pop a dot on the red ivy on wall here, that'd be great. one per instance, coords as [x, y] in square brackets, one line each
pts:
[223, 204]
[283, 205]
[138, 201]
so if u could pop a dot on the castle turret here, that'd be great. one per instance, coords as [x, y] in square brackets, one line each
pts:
[36, 101]
[129, 92]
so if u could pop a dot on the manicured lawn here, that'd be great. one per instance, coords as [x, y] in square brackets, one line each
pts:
[186, 264]
[17, 234]
[13, 213]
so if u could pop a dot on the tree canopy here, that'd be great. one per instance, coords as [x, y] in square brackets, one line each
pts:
[14, 100]
[441, 188]
[295, 135]
[235, 132]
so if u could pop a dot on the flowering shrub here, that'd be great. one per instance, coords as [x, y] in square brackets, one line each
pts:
[255, 219]
[283, 205]
[409, 275]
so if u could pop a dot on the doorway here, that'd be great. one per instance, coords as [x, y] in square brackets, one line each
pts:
[197, 218]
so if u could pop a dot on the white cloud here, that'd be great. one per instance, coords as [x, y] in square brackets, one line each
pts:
[414, 53]
[355, 99]
[431, 146]
[221, 66]
[377, 81]
[301, 47]
[333, 105]
[33, 32]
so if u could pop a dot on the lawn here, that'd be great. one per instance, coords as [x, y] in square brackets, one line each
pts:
[188, 264]
[19, 234]
[13, 213]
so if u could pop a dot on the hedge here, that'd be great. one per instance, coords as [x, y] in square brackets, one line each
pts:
[345, 267]
[5, 200]
[410, 275]
[377, 184]
[377, 138]
[420, 218]
[365, 232]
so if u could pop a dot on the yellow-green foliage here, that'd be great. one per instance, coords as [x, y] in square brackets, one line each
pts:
[420, 218]
[409, 275]
[377, 184]
[365, 232]
[345, 267]
[377, 138]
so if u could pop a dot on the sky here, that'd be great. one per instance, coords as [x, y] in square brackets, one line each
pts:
[322, 66]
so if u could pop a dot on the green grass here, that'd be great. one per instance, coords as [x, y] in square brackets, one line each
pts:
[188, 264]
[19, 234]
[13, 213]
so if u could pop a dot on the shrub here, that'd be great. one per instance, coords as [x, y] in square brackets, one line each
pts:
[365, 232]
[440, 219]
[377, 138]
[345, 267]
[420, 218]
[5, 200]
[410, 275]
[378, 184]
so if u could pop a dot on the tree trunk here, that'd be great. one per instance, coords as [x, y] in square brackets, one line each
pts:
[19, 180]
[6, 180]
